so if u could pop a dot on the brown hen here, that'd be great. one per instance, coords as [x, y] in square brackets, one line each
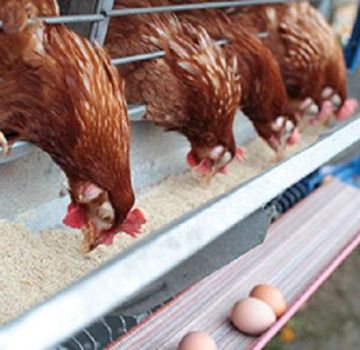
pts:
[309, 54]
[62, 94]
[192, 90]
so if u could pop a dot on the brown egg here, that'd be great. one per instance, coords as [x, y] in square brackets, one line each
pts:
[252, 316]
[197, 341]
[271, 296]
[327, 179]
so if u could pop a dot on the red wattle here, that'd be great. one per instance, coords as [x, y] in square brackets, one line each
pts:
[224, 170]
[204, 167]
[107, 238]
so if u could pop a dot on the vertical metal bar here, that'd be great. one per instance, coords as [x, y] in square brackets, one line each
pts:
[352, 52]
[99, 29]
[356, 60]
[82, 7]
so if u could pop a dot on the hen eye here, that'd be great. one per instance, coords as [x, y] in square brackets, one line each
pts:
[106, 217]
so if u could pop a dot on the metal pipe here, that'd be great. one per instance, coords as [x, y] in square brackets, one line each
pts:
[187, 7]
[158, 54]
[67, 19]
[149, 56]
[104, 14]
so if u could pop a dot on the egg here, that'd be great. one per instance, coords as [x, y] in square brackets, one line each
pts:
[252, 316]
[197, 341]
[327, 179]
[271, 296]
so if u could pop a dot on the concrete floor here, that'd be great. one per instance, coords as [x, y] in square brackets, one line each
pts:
[331, 319]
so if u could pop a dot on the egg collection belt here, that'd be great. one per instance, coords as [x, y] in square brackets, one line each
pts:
[314, 223]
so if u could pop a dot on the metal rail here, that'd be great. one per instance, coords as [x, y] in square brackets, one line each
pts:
[88, 299]
[105, 13]
[158, 54]
[188, 7]
[150, 55]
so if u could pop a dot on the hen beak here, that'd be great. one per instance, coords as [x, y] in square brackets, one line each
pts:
[208, 177]
[280, 155]
[219, 167]
[91, 238]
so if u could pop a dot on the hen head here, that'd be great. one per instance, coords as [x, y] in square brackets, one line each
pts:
[283, 131]
[100, 185]
[210, 160]
[93, 211]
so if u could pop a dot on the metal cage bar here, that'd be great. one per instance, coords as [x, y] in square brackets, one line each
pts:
[99, 29]
[352, 52]
[105, 14]
[189, 7]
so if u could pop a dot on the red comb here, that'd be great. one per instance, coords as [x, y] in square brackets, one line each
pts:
[191, 160]
[75, 217]
[136, 216]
